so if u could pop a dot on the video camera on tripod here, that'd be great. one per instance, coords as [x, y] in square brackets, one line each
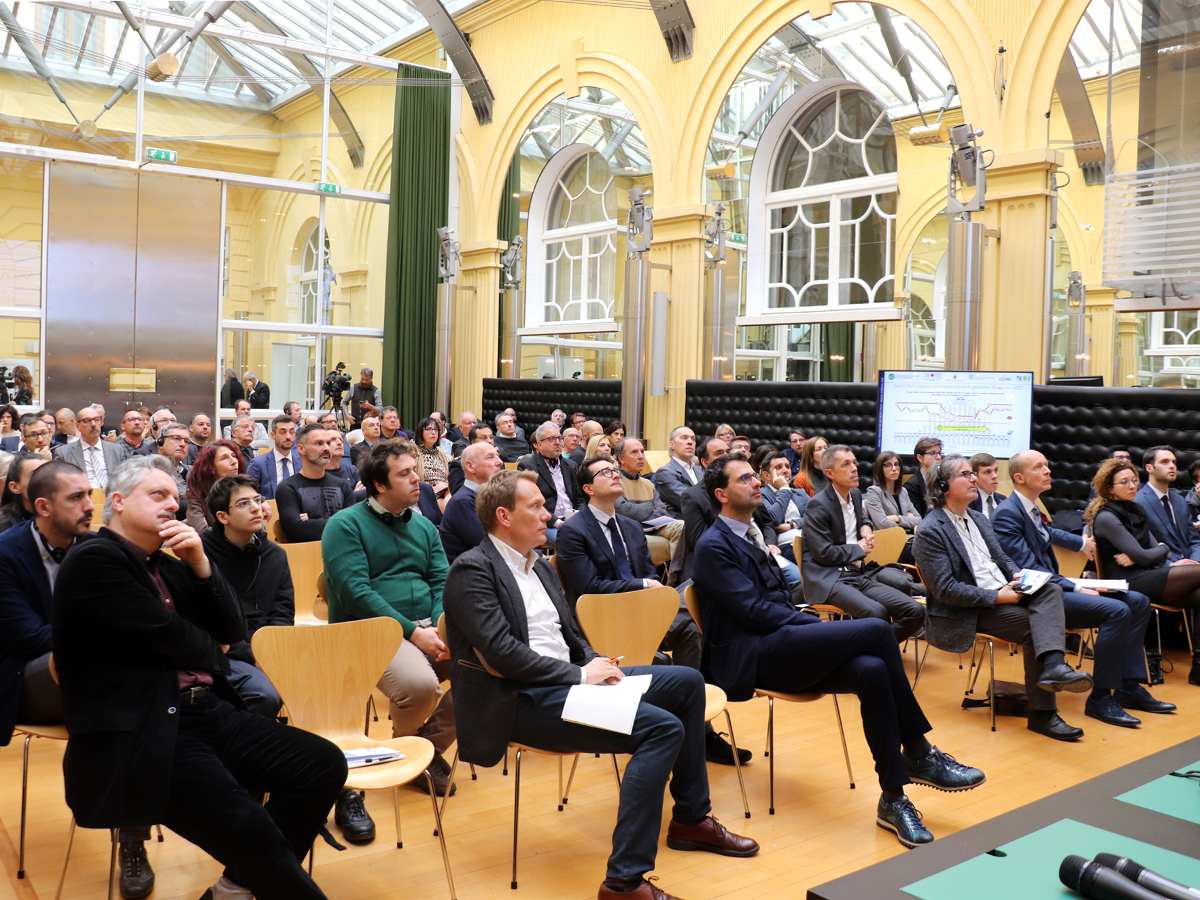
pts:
[336, 384]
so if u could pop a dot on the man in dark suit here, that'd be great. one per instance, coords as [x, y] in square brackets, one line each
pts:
[755, 637]
[927, 451]
[480, 433]
[272, 469]
[510, 443]
[231, 390]
[555, 477]
[371, 437]
[1028, 539]
[602, 552]
[970, 580]
[257, 392]
[573, 447]
[682, 471]
[987, 479]
[157, 732]
[516, 652]
[698, 513]
[1167, 510]
[837, 536]
[460, 528]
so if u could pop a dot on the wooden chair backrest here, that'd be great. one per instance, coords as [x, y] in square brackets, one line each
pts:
[305, 562]
[277, 533]
[326, 674]
[798, 549]
[274, 505]
[631, 624]
[1071, 563]
[889, 544]
[693, 605]
[263, 451]
[510, 465]
[557, 570]
[655, 460]
[98, 504]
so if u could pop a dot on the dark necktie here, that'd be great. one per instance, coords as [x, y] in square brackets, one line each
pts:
[286, 471]
[990, 507]
[618, 546]
[1166, 502]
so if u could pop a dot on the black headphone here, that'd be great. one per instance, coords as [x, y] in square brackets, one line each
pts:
[388, 518]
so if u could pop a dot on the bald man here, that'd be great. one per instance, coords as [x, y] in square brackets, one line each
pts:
[460, 528]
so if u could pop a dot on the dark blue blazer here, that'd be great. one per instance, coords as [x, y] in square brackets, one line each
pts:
[1184, 541]
[1022, 544]
[742, 598]
[793, 459]
[586, 560]
[25, 605]
[262, 470]
[460, 528]
[977, 503]
[11, 444]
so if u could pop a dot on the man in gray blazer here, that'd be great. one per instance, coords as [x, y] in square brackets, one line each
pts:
[516, 652]
[970, 581]
[837, 537]
[99, 459]
[681, 472]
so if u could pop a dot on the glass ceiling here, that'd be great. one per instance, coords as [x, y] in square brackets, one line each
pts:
[93, 43]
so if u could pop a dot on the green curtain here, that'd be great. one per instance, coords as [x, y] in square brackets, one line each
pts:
[839, 341]
[418, 208]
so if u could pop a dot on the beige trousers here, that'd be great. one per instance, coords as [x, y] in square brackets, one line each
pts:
[412, 684]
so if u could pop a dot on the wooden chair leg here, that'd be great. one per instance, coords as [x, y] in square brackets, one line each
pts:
[992, 683]
[449, 785]
[570, 780]
[737, 762]
[771, 745]
[516, 815]
[617, 770]
[396, 809]
[112, 865]
[24, 797]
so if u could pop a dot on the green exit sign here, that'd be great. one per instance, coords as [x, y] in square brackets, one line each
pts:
[153, 154]
[324, 187]
[735, 238]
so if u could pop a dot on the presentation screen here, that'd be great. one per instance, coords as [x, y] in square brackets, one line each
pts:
[970, 412]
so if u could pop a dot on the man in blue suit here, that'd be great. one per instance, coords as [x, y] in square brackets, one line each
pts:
[460, 527]
[987, 479]
[755, 637]
[1167, 510]
[1028, 539]
[272, 469]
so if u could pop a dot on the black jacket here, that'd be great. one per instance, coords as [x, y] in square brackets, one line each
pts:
[231, 392]
[535, 462]
[118, 651]
[260, 397]
[916, 491]
[261, 580]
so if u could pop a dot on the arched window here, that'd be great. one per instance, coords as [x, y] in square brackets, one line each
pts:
[823, 210]
[314, 289]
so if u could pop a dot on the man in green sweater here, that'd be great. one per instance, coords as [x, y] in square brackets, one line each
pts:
[401, 576]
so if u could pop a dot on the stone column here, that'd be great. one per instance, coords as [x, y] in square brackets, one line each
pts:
[476, 325]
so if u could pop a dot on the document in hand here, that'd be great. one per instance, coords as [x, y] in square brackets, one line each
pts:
[612, 707]
[1102, 584]
[1031, 581]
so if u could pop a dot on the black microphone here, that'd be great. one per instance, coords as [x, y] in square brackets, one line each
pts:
[1096, 882]
[1147, 879]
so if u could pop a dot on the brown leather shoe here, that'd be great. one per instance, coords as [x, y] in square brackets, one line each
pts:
[645, 891]
[709, 835]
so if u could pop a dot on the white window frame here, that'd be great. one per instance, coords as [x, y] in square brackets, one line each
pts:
[762, 201]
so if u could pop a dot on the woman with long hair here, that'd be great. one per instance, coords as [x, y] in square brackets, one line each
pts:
[14, 504]
[886, 505]
[615, 431]
[23, 382]
[811, 478]
[214, 462]
[432, 464]
[599, 445]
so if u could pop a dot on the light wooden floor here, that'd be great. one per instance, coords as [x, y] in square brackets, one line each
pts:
[821, 829]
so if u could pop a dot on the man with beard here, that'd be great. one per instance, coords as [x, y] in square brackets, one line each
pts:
[309, 498]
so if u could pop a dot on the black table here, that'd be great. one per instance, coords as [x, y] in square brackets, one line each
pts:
[1091, 803]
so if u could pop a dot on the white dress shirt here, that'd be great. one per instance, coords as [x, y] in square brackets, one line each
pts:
[545, 628]
[47, 560]
[94, 465]
[988, 502]
[1034, 513]
[849, 519]
[279, 458]
[603, 518]
[987, 574]
[689, 469]
[562, 503]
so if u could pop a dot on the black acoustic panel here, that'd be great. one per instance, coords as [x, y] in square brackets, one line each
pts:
[1074, 427]
[535, 398]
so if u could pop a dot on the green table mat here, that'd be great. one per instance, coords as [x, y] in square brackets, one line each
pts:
[1169, 795]
[1028, 867]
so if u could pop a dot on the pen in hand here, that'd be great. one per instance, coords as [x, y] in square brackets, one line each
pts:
[615, 660]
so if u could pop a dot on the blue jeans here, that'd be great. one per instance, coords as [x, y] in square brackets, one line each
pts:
[791, 574]
[255, 689]
[1122, 621]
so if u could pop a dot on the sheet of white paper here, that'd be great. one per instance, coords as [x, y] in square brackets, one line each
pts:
[657, 522]
[612, 707]
[1032, 581]
[779, 560]
[371, 756]
[1102, 584]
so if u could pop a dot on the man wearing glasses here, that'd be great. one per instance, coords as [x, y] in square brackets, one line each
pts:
[928, 453]
[96, 457]
[37, 435]
[257, 570]
[172, 443]
[556, 477]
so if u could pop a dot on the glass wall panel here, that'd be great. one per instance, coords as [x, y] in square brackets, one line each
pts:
[572, 356]
[21, 233]
[285, 362]
[355, 352]
[360, 131]
[358, 257]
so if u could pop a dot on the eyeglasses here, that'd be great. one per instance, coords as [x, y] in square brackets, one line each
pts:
[247, 502]
[90, 420]
[749, 478]
[37, 434]
[551, 440]
[933, 454]
[1126, 482]
[174, 437]
[607, 473]
[968, 474]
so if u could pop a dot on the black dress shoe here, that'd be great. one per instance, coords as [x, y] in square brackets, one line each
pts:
[1062, 677]
[137, 878]
[1194, 674]
[352, 817]
[1052, 726]
[439, 772]
[718, 750]
[1139, 698]
[1108, 711]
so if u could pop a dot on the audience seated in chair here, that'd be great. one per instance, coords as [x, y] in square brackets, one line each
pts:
[480, 433]
[927, 451]
[640, 500]
[15, 506]
[755, 637]
[218, 459]
[272, 469]
[969, 581]
[95, 456]
[199, 434]
[1166, 510]
[312, 496]
[460, 528]
[138, 639]
[987, 479]
[260, 440]
[135, 439]
[511, 444]
[837, 537]
[555, 477]
[681, 472]
[1028, 539]
[516, 652]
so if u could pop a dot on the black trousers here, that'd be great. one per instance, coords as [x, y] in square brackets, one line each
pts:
[667, 744]
[865, 594]
[858, 657]
[221, 755]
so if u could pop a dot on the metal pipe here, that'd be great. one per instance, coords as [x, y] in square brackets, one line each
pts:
[31, 53]
[633, 333]
[899, 56]
[133, 22]
[964, 288]
[763, 105]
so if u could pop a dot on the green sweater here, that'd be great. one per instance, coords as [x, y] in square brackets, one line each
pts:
[401, 576]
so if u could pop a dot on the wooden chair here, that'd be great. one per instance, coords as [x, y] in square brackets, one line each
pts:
[1071, 563]
[656, 459]
[307, 568]
[324, 676]
[693, 607]
[274, 505]
[633, 625]
[98, 507]
[889, 544]
[263, 451]
[276, 533]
